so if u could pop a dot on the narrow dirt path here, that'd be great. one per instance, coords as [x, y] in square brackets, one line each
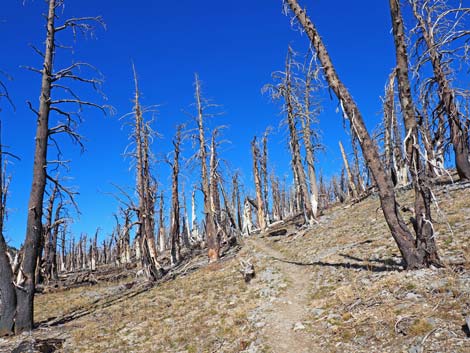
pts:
[286, 328]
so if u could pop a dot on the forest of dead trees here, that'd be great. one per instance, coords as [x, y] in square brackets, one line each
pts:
[423, 135]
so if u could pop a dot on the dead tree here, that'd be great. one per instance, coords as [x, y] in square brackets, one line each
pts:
[393, 151]
[7, 288]
[286, 89]
[414, 255]
[439, 30]
[352, 184]
[209, 216]
[277, 199]
[309, 110]
[264, 174]
[236, 200]
[175, 204]
[51, 82]
[425, 243]
[51, 232]
[146, 190]
[262, 224]
[161, 226]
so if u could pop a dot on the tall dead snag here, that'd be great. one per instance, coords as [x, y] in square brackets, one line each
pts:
[413, 256]
[286, 90]
[264, 174]
[393, 152]
[214, 180]
[440, 37]
[236, 201]
[51, 82]
[209, 217]
[259, 192]
[161, 226]
[7, 288]
[195, 235]
[425, 243]
[146, 190]
[277, 199]
[309, 110]
[51, 232]
[352, 185]
[175, 204]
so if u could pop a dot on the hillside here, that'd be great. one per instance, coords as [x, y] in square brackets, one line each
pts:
[337, 287]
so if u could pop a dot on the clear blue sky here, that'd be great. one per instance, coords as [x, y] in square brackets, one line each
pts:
[233, 45]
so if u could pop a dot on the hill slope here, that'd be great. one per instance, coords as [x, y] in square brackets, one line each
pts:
[337, 287]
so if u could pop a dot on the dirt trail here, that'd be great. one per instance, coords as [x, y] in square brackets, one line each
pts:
[286, 329]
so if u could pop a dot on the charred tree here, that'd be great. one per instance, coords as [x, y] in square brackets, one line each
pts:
[412, 255]
[352, 184]
[209, 216]
[7, 287]
[262, 224]
[50, 82]
[431, 17]
[175, 205]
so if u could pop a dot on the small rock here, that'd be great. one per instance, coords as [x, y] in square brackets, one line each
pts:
[299, 326]
[412, 296]
[317, 311]
[260, 324]
[415, 349]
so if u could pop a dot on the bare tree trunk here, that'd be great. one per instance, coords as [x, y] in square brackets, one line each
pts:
[7, 288]
[194, 226]
[400, 232]
[210, 227]
[352, 185]
[446, 93]
[62, 267]
[299, 172]
[259, 192]
[307, 119]
[146, 192]
[161, 226]
[264, 175]
[247, 218]
[175, 205]
[425, 243]
[236, 201]
[25, 297]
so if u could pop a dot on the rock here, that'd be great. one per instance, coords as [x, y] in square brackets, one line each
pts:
[260, 324]
[317, 311]
[299, 326]
[415, 349]
[39, 346]
[412, 296]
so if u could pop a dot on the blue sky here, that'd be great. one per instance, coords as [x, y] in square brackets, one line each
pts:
[234, 47]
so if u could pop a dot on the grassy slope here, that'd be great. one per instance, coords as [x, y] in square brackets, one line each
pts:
[358, 300]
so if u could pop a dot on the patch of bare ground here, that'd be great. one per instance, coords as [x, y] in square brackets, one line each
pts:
[339, 287]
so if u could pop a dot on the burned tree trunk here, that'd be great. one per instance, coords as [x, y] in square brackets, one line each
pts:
[447, 99]
[210, 226]
[413, 257]
[25, 301]
[259, 192]
[236, 201]
[175, 205]
[303, 197]
[352, 185]
[307, 118]
[49, 80]
[425, 242]
[7, 288]
[161, 226]
[146, 192]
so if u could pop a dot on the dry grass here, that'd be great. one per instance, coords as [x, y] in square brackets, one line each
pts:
[359, 299]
